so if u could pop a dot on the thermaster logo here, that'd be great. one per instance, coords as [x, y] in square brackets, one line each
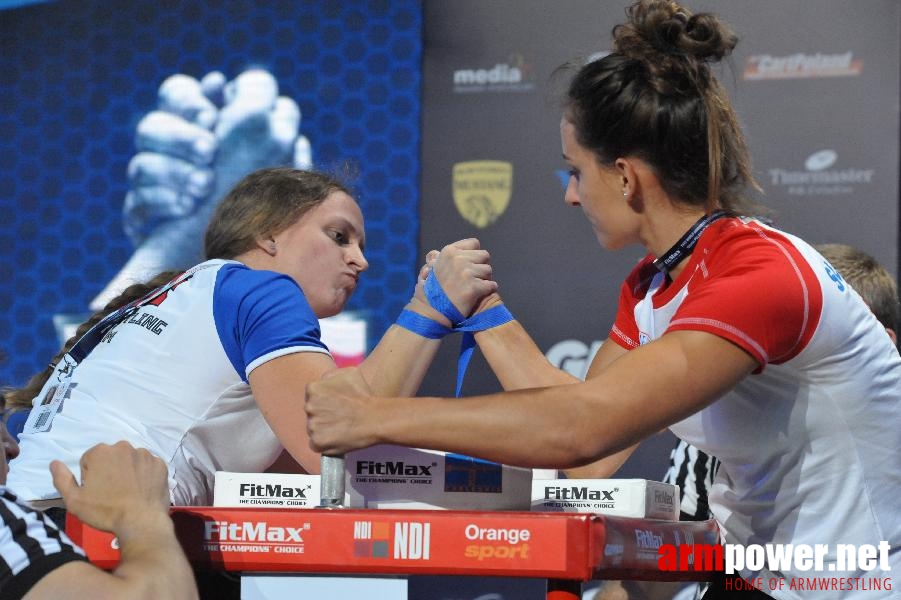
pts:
[412, 540]
[802, 66]
[482, 190]
[820, 177]
[513, 75]
[253, 536]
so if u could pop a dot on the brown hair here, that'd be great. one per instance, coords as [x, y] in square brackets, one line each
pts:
[654, 97]
[263, 204]
[20, 398]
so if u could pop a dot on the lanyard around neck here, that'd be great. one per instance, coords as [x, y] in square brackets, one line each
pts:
[687, 242]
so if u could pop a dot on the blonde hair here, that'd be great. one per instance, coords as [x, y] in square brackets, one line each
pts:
[263, 204]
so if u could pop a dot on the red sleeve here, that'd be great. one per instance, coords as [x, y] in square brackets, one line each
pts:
[759, 292]
[625, 330]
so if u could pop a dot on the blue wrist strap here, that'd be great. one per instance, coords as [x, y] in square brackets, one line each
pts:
[438, 299]
[421, 325]
[494, 316]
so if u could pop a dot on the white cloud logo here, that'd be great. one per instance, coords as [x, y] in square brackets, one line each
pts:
[820, 161]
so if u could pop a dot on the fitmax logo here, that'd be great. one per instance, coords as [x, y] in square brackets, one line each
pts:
[577, 493]
[648, 539]
[258, 489]
[225, 531]
[399, 467]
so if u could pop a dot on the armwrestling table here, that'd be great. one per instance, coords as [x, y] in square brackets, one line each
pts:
[564, 548]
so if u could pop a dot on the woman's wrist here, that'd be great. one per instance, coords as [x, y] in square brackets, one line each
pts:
[423, 308]
[487, 302]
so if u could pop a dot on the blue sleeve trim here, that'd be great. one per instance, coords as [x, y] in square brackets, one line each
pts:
[261, 312]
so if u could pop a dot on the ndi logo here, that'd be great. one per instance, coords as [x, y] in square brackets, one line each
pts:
[412, 541]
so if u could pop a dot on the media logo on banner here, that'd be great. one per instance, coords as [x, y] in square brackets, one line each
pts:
[411, 540]
[802, 66]
[482, 190]
[513, 75]
[820, 177]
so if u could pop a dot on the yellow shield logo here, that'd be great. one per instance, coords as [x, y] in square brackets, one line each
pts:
[482, 190]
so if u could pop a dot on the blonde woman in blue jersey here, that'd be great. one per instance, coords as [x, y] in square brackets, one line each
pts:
[208, 372]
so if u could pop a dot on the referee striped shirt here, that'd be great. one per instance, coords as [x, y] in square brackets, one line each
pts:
[31, 546]
[692, 470]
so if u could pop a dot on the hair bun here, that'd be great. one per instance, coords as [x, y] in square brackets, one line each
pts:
[659, 30]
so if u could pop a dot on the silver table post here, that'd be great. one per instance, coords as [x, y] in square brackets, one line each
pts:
[331, 489]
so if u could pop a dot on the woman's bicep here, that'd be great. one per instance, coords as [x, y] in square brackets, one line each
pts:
[278, 387]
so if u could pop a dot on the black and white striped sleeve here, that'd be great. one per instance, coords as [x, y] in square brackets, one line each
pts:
[693, 471]
[30, 547]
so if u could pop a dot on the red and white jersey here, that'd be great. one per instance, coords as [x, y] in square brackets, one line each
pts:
[810, 443]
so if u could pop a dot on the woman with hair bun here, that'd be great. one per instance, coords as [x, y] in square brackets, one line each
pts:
[738, 337]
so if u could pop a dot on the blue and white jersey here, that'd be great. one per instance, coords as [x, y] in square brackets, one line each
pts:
[172, 378]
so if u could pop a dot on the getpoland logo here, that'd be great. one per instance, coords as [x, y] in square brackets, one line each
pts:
[802, 66]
